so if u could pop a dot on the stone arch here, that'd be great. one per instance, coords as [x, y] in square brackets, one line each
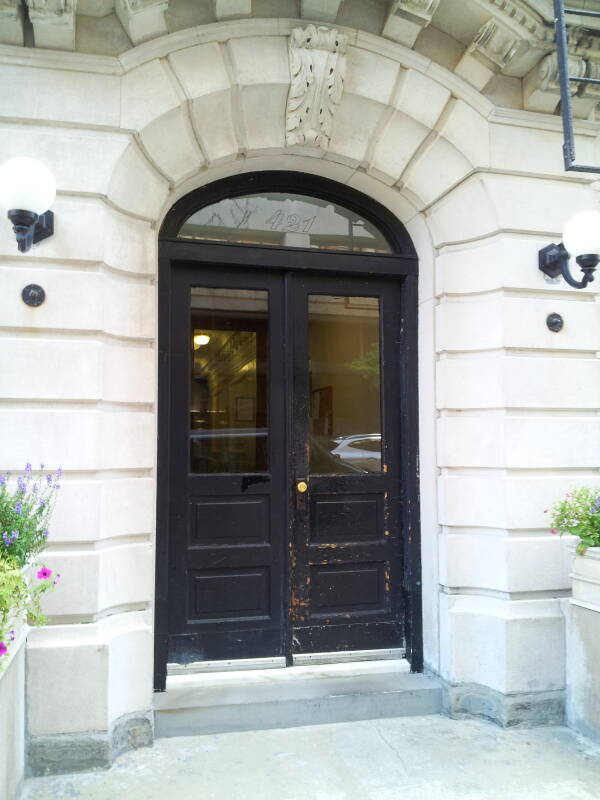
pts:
[199, 105]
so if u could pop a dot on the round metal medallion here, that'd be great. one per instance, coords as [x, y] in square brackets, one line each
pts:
[33, 295]
[555, 322]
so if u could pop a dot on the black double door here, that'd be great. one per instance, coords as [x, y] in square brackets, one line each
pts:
[285, 501]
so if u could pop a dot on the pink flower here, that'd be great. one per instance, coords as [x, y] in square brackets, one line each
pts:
[3, 649]
[553, 530]
[44, 573]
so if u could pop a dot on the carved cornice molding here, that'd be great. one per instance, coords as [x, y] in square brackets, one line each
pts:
[519, 14]
[59, 12]
[53, 23]
[547, 73]
[407, 18]
[417, 10]
[11, 22]
[541, 88]
[317, 67]
[9, 9]
[142, 19]
[320, 10]
[583, 43]
[495, 46]
[230, 9]
[140, 6]
[491, 51]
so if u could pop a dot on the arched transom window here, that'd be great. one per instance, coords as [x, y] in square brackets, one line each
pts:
[285, 219]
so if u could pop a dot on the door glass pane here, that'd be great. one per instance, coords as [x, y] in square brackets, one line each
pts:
[285, 219]
[228, 392]
[345, 377]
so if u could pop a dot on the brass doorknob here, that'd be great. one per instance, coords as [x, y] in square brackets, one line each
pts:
[302, 486]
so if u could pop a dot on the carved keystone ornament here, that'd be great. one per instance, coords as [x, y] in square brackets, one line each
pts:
[317, 67]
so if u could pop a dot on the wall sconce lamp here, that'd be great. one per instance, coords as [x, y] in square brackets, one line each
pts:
[27, 190]
[581, 239]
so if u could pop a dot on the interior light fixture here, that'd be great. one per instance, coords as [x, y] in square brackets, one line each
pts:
[201, 339]
[27, 190]
[581, 241]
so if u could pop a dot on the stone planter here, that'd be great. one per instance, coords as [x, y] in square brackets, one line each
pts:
[583, 645]
[12, 717]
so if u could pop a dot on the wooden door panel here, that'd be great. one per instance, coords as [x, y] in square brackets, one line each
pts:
[227, 520]
[346, 548]
[257, 569]
[338, 518]
[227, 476]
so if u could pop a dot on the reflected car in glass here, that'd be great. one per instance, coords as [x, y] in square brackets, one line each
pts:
[362, 451]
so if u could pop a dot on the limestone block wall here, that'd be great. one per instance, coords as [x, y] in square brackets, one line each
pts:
[508, 414]
[517, 427]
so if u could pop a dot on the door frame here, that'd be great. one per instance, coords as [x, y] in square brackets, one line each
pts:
[402, 264]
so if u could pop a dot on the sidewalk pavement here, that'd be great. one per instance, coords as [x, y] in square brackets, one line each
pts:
[414, 758]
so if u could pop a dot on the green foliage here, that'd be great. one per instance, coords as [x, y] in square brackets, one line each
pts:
[25, 511]
[579, 515]
[20, 597]
[368, 365]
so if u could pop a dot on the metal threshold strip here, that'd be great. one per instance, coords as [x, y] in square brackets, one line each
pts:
[278, 662]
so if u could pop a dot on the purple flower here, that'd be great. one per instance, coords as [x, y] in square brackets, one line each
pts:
[3, 649]
[21, 484]
[27, 469]
[9, 538]
[18, 507]
[2, 480]
[42, 503]
[59, 473]
[11, 636]
[45, 534]
[56, 580]
[48, 479]
[44, 573]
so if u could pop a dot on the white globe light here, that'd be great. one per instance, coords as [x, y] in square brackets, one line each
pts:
[581, 235]
[26, 184]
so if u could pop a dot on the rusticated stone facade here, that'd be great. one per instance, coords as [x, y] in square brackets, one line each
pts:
[507, 408]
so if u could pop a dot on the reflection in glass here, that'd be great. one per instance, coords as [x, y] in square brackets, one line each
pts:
[228, 394]
[290, 220]
[345, 415]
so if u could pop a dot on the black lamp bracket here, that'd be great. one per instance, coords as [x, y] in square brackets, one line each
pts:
[30, 228]
[553, 261]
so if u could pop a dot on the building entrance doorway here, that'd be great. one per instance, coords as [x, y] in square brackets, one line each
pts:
[287, 480]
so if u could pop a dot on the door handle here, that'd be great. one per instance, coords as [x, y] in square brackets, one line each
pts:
[301, 494]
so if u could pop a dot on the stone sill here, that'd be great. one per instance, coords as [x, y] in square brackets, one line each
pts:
[585, 576]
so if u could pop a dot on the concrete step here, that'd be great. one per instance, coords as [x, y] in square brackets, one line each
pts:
[292, 697]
